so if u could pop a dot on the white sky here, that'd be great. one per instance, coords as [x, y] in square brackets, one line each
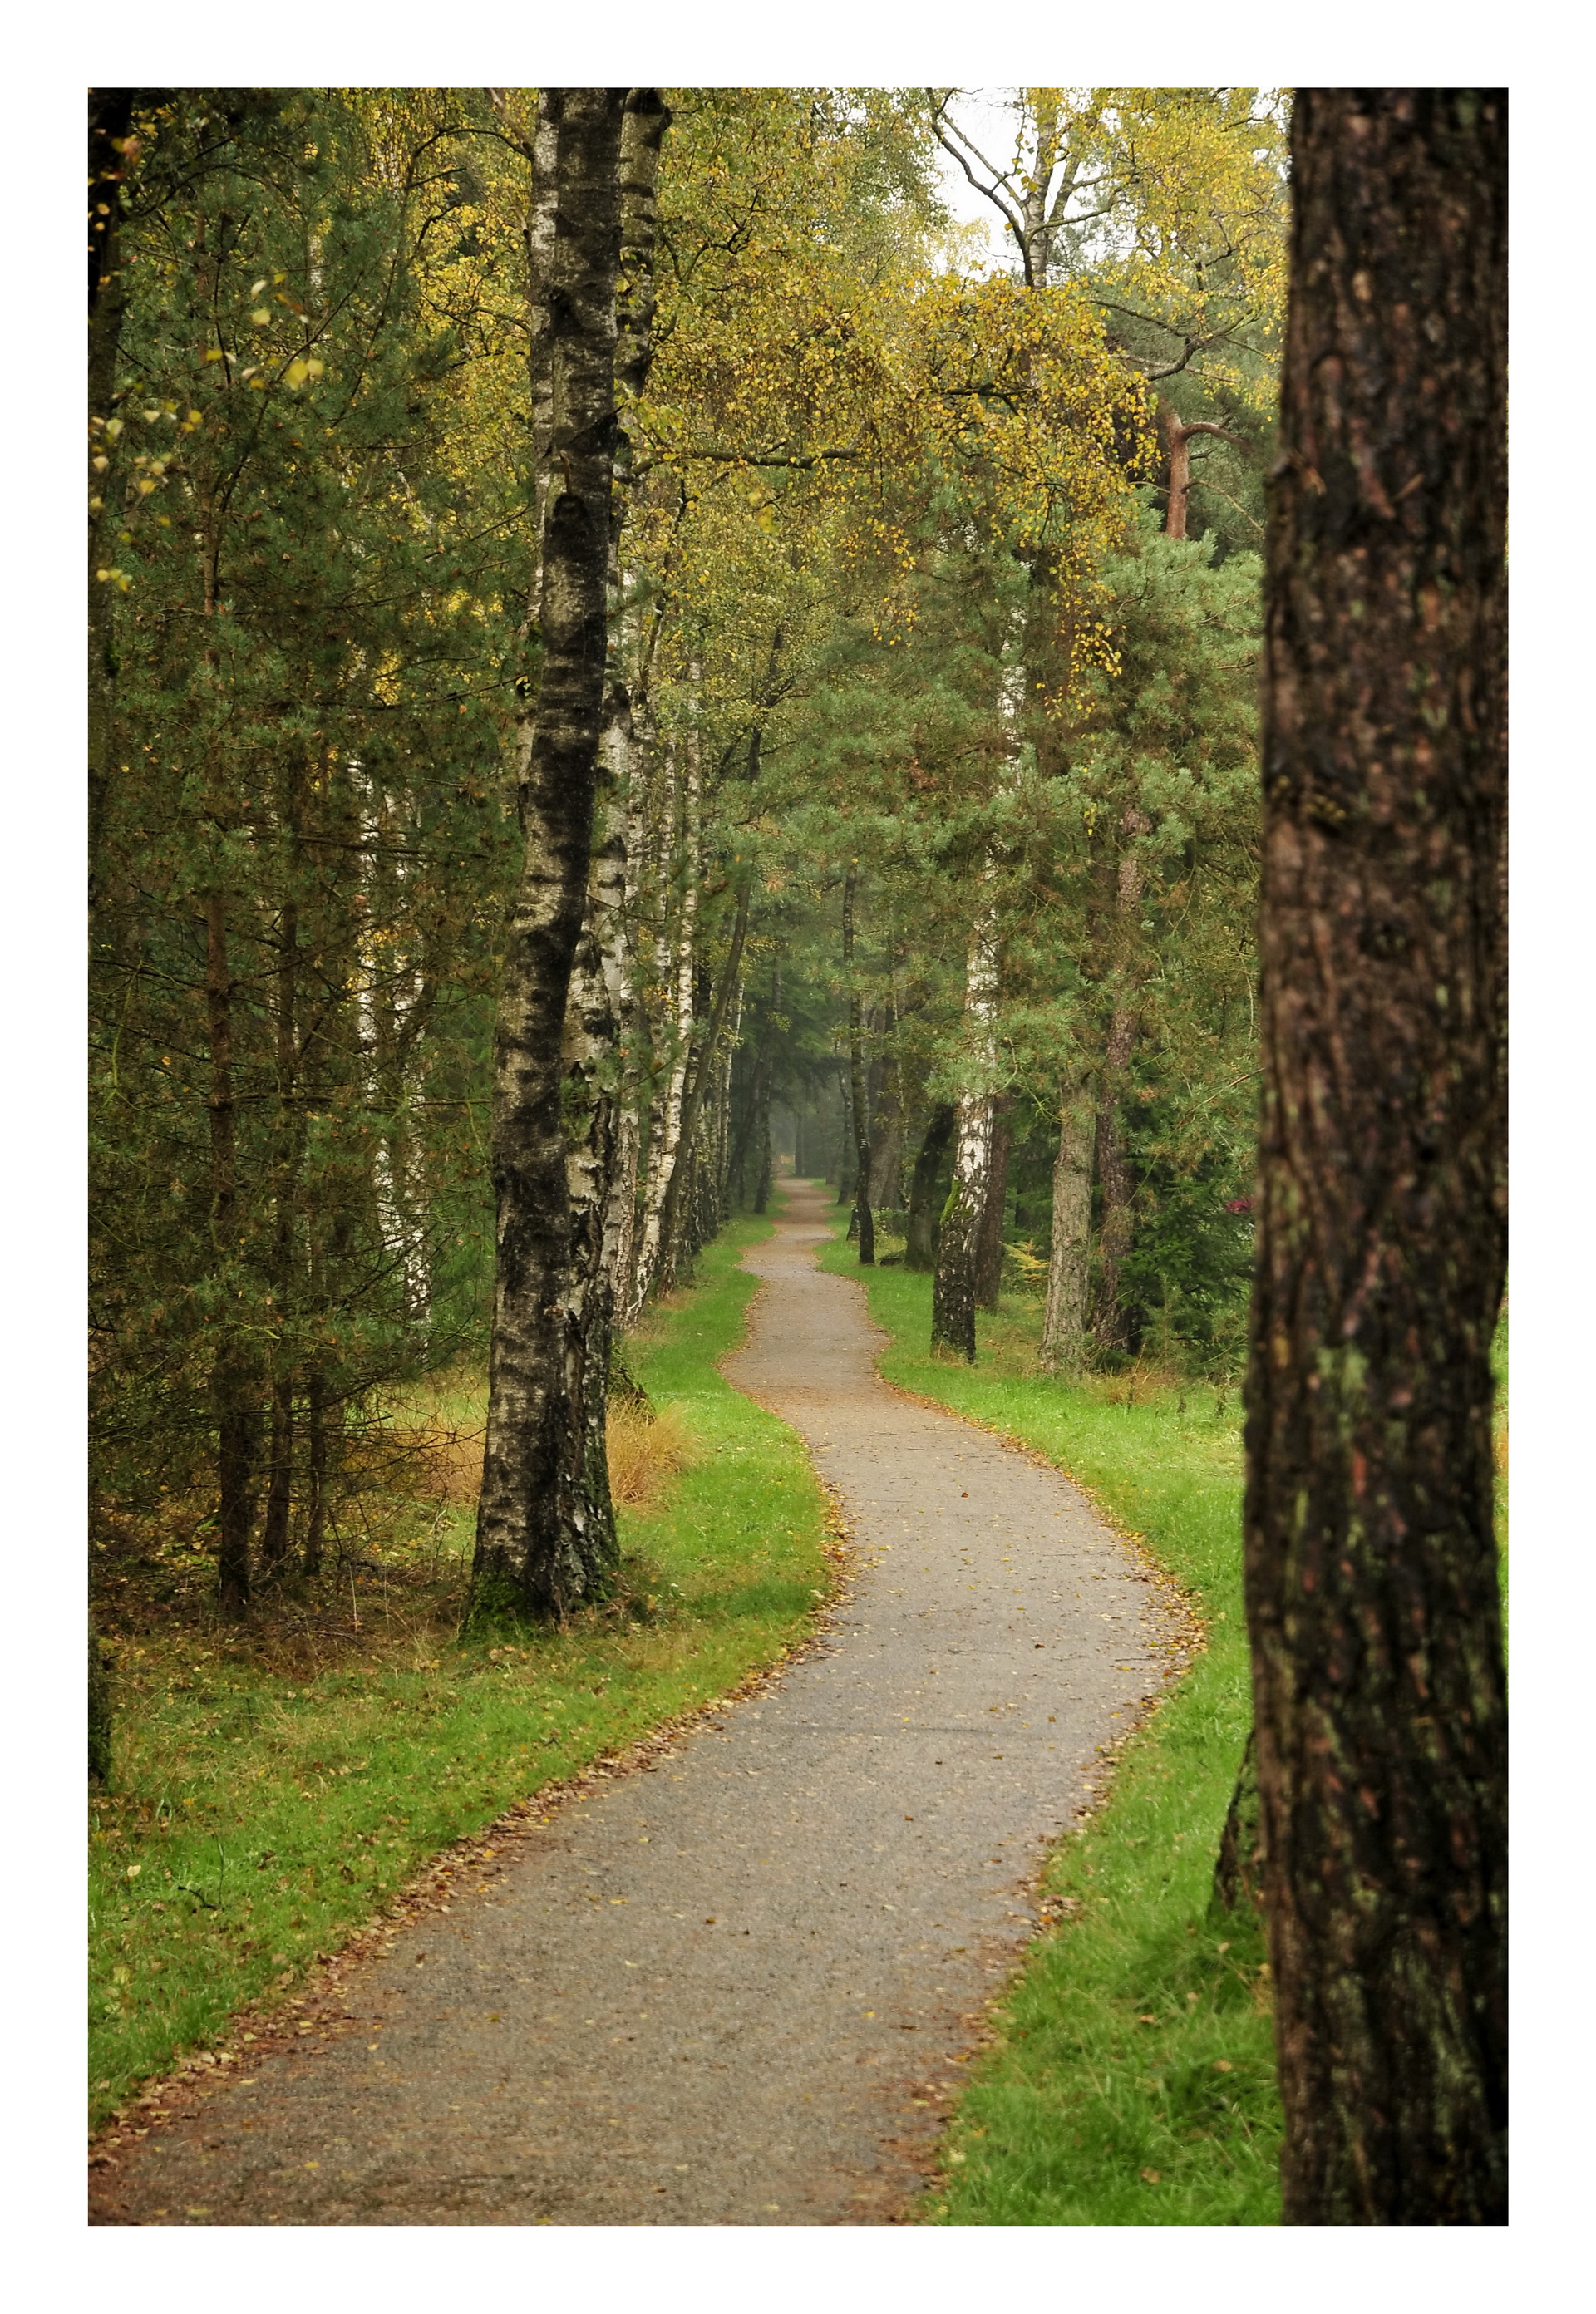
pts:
[986, 115]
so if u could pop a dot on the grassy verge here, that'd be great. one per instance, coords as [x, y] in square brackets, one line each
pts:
[266, 1801]
[1133, 2079]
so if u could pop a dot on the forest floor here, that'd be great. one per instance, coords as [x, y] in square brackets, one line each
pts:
[688, 1997]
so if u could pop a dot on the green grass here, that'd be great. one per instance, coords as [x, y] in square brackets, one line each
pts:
[258, 1817]
[1133, 2079]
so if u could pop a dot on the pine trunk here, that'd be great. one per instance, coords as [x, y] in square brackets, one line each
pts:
[110, 115]
[922, 1252]
[863, 1224]
[1064, 1322]
[536, 1535]
[233, 1380]
[1115, 1179]
[1371, 1570]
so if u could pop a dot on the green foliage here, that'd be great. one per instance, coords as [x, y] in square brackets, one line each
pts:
[256, 1817]
[1132, 2081]
[305, 842]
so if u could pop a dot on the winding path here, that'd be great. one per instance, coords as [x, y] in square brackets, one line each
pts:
[737, 1990]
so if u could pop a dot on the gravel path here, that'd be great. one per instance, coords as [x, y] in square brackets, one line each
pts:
[736, 1990]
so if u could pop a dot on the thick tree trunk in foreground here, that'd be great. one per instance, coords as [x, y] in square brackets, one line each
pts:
[535, 1532]
[1064, 1322]
[1371, 1577]
[921, 1250]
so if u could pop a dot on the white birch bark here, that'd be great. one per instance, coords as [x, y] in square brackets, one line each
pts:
[665, 1154]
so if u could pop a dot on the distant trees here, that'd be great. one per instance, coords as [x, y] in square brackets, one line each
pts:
[1371, 1570]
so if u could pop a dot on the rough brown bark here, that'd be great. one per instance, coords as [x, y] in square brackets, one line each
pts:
[921, 1250]
[1372, 1576]
[535, 1534]
[1116, 1180]
[1063, 1322]
[286, 1193]
[110, 115]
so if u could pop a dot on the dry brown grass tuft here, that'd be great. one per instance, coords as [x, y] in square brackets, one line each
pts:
[647, 1449]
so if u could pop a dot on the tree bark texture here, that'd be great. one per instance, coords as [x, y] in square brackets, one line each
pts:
[233, 1380]
[1064, 1319]
[921, 1250]
[864, 1222]
[110, 115]
[989, 1246]
[535, 1531]
[953, 1289]
[1116, 1180]
[1370, 1564]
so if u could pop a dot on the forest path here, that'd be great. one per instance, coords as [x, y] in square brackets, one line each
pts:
[736, 1989]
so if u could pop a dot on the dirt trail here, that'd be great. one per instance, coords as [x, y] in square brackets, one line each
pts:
[736, 1989]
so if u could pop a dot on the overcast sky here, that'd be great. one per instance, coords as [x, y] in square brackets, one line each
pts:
[987, 116]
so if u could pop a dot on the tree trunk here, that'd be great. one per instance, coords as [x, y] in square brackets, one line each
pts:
[102, 1712]
[953, 1293]
[1064, 1322]
[110, 114]
[1115, 1179]
[921, 1251]
[667, 1144]
[863, 1225]
[535, 1534]
[1178, 437]
[233, 1380]
[316, 1474]
[678, 1199]
[274, 1531]
[988, 1249]
[1372, 1573]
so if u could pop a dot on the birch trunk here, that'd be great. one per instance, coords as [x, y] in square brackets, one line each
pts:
[667, 1141]
[536, 1536]
[953, 1294]
[989, 1246]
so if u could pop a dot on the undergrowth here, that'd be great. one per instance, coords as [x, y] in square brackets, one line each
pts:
[273, 1787]
[1133, 2079]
